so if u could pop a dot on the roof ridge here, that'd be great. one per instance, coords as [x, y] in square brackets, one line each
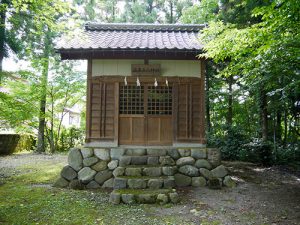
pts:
[143, 27]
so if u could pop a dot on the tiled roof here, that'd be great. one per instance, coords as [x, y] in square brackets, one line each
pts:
[113, 36]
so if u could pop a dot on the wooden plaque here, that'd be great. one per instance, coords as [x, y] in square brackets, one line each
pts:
[145, 70]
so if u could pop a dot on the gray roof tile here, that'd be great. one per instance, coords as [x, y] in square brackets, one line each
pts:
[135, 36]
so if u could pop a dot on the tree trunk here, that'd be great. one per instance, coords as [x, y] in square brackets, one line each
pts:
[285, 126]
[44, 81]
[230, 100]
[207, 103]
[2, 39]
[264, 115]
[171, 12]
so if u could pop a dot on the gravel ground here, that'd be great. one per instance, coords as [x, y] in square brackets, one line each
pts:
[263, 195]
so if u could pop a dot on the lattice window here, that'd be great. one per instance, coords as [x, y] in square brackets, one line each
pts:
[131, 99]
[160, 100]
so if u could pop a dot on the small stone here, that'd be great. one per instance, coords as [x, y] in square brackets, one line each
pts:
[125, 161]
[189, 170]
[133, 171]
[214, 183]
[115, 198]
[113, 164]
[173, 153]
[90, 161]
[205, 173]
[185, 161]
[169, 170]
[152, 160]
[169, 182]
[92, 185]
[76, 185]
[162, 199]
[87, 152]
[137, 183]
[183, 152]
[214, 156]
[199, 153]
[155, 183]
[156, 152]
[109, 183]
[128, 198]
[152, 171]
[103, 176]
[174, 197]
[198, 181]
[139, 160]
[68, 173]
[61, 182]
[228, 182]
[219, 171]
[75, 159]
[86, 174]
[102, 165]
[166, 161]
[202, 163]
[182, 180]
[102, 154]
[117, 153]
[136, 152]
[119, 171]
[120, 183]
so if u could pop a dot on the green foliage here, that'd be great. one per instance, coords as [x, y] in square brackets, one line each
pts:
[69, 138]
[12, 143]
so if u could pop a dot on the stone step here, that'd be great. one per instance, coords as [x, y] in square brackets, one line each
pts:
[145, 170]
[143, 152]
[146, 160]
[143, 182]
[144, 196]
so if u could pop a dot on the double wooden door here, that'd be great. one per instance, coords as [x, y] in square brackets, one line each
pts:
[145, 115]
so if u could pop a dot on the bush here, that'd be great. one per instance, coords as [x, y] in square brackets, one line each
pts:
[12, 143]
[70, 138]
[288, 154]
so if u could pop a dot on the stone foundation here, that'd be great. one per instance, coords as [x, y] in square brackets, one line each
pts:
[153, 173]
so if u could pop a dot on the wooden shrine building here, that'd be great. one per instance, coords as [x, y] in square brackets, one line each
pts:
[145, 84]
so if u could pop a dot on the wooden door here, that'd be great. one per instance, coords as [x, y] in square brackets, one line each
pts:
[145, 115]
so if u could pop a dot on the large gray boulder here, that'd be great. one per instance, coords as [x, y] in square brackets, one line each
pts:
[219, 172]
[109, 183]
[119, 171]
[61, 182]
[152, 171]
[87, 152]
[113, 164]
[185, 161]
[198, 181]
[206, 173]
[68, 173]
[139, 160]
[214, 156]
[199, 153]
[102, 154]
[137, 183]
[75, 159]
[90, 161]
[169, 182]
[117, 153]
[228, 182]
[120, 183]
[189, 170]
[115, 198]
[202, 163]
[173, 153]
[125, 161]
[128, 198]
[92, 185]
[166, 161]
[162, 199]
[184, 152]
[156, 152]
[169, 170]
[136, 152]
[155, 183]
[103, 176]
[182, 180]
[99, 166]
[152, 160]
[133, 171]
[86, 174]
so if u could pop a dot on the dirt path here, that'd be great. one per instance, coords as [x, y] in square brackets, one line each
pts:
[262, 196]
